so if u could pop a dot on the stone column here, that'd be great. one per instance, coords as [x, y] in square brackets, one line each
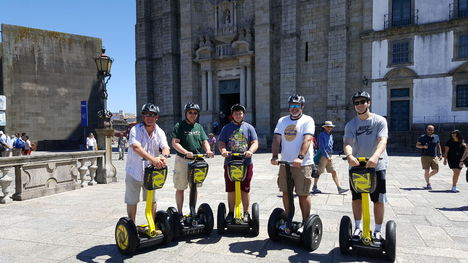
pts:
[242, 85]
[249, 97]
[5, 181]
[108, 172]
[92, 171]
[204, 92]
[210, 90]
[83, 171]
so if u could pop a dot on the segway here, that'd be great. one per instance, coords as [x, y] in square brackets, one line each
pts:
[364, 181]
[282, 226]
[200, 221]
[237, 172]
[157, 230]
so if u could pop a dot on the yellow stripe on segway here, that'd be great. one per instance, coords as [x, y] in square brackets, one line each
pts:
[122, 237]
[149, 214]
[366, 236]
[237, 211]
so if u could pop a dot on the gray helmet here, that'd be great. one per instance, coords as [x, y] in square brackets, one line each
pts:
[296, 98]
[150, 107]
[361, 94]
[237, 107]
[191, 106]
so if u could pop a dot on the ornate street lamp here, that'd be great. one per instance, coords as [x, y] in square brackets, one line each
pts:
[104, 64]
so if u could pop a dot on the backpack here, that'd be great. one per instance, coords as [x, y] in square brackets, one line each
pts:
[18, 144]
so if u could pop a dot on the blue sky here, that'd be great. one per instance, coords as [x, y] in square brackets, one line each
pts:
[89, 18]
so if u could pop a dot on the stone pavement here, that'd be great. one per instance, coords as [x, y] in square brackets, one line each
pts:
[78, 226]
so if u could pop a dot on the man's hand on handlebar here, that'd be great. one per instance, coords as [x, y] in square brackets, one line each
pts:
[297, 162]
[209, 154]
[372, 162]
[352, 161]
[225, 153]
[248, 154]
[158, 162]
[189, 155]
[274, 160]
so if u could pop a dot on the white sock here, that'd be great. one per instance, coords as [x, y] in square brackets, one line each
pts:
[357, 224]
[378, 227]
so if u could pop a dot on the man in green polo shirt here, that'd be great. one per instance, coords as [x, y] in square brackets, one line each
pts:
[188, 138]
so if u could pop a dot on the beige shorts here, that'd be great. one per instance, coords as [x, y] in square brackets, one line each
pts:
[132, 191]
[180, 173]
[429, 162]
[301, 177]
[325, 164]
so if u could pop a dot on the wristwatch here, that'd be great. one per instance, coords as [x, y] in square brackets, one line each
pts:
[300, 156]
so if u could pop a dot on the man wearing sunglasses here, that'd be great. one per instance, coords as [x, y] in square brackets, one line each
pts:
[188, 138]
[366, 136]
[293, 133]
[145, 141]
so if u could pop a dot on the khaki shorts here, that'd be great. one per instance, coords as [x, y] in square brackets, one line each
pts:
[132, 191]
[180, 173]
[429, 162]
[324, 163]
[301, 177]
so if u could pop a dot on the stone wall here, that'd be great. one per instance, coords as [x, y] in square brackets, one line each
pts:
[45, 76]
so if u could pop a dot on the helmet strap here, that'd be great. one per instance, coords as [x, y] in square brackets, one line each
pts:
[361, 113]
[296, 118]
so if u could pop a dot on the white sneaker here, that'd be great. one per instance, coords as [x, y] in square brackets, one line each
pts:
[357, 233]
[454, 190]
[378, 236]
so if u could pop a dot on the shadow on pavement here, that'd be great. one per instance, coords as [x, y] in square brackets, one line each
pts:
[260, 249]
[203, 240]
[412, 188]
[110, 253]
[461, 208]
[440, 191]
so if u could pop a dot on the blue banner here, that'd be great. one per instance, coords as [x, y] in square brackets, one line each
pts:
[84, 113]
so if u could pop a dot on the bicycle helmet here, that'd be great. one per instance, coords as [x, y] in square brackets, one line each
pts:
[296, 98]
[361, 94]
[191, 106]
[150, 107]
[237, 107]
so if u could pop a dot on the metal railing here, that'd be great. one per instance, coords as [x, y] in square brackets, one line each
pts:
[392, 22]
[224, 50]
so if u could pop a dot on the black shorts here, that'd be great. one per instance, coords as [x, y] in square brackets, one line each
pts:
[380, 193]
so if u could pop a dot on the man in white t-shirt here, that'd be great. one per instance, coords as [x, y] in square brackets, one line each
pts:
[145, 141]
[294, 134]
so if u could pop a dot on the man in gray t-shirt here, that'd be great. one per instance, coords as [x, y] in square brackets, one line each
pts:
[366, 136]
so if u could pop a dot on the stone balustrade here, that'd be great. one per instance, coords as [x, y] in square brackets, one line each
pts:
[50, 173]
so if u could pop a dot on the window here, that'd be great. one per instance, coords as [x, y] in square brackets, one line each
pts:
[462, 8]
[399, 93]
[463, 46]
[401, 13]
[461, 96]
[400, 52]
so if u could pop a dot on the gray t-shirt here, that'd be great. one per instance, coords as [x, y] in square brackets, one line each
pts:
[364, 134]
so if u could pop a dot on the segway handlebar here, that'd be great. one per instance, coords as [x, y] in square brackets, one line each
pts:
[196, 156]
[167, 156]
[366, 158]
[285, 162]
[236, 154]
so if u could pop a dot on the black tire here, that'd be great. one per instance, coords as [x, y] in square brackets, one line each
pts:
[221, 218]
[390, 240]
[345, 235]
[174, 220]
[312, 235]
[162, 221]
[205, 215]
[126, 236]
[273, 223]
[255, 222]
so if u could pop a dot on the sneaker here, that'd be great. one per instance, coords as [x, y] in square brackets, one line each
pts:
[377, 236]
[454, 190]
[229, 217]
[246, 217]
[300, 230]
[342, 190]
[357, 234]
[315, 190]
[428, 187]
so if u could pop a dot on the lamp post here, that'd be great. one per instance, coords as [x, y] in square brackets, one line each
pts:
[103, 65]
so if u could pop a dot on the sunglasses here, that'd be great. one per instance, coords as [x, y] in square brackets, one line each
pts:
[357, 102]
[295, 106]
[150, 114]
[192, 112]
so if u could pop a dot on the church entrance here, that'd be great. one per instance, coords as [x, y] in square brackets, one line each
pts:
[228, 96]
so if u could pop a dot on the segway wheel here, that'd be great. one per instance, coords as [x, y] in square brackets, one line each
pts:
[174, 220]
[312, 235]
[163, 223]
[221, 218]
[390, 240]
[273, 223]
[345, 235]
[206, 217]
[255, 223]
[126, 236]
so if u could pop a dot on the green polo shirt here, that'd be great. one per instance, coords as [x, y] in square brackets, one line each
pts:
[191, 136]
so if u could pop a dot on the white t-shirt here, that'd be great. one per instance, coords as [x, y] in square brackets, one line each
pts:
[91, 142]
[292, 136]
[135, 166]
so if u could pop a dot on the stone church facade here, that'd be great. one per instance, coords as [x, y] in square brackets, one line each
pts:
[258, 52]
